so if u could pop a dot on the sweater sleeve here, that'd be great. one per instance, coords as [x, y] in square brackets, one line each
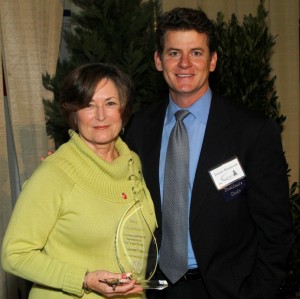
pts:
[33, 218]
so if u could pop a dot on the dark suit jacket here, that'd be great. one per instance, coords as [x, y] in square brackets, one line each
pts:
[241, 245]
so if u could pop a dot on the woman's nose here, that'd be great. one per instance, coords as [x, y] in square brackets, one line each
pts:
[100, 112]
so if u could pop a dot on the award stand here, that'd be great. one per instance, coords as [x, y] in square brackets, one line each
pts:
[136, 247]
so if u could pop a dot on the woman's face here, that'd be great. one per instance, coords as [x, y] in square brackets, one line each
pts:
[100, 123]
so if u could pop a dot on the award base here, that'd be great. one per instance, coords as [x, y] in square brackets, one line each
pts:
[145, 284]
[153, 284]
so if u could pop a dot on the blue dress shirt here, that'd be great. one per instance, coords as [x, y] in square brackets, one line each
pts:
[195, 124]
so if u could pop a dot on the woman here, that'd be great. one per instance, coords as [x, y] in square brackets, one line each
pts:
[61, 235]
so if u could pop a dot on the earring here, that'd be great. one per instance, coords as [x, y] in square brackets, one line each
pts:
[122, 131]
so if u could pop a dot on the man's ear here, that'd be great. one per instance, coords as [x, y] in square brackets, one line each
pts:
[158, 62]
[213, 61]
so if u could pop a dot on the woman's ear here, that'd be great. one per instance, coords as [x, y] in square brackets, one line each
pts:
[75, 122]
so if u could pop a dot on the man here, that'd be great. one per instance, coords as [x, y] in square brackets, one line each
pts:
[240, 229]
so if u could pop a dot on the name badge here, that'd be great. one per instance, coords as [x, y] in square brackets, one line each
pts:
[229, 178]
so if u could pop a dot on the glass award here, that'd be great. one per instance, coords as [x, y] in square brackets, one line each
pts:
[134, 252]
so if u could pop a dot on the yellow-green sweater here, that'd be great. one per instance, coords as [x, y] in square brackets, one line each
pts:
[66, 216]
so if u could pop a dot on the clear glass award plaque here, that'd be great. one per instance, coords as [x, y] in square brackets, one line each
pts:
[136, 247]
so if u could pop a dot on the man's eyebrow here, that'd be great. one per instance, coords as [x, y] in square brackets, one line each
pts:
[172, 49]
[193, 49]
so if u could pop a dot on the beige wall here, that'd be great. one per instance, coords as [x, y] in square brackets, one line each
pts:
[284, 23]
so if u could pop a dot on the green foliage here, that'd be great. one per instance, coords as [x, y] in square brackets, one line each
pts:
[56, 126]
[112, 31]
[243, 71]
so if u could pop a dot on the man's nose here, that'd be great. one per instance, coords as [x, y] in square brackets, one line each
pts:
[185, 60]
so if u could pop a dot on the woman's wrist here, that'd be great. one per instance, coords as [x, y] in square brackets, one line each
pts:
[85, 283]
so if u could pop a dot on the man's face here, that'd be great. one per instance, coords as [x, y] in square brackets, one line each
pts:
[186, 63]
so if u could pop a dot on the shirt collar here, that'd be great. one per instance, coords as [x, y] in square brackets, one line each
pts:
[199, 109]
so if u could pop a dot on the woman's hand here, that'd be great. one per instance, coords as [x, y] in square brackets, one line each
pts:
[50, 152]
[111, 284]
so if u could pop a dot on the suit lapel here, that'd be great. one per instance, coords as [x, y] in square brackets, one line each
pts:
[152, 144]
[215, 144]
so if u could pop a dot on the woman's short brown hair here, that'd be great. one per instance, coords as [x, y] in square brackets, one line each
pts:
[79, 87]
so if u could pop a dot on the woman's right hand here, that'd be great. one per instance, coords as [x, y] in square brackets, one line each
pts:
[111, 284]
[50, 152]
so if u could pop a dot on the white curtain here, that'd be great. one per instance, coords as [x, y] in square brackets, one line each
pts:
[29, 46]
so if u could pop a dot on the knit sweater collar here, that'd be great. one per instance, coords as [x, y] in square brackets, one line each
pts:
[95, 174]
